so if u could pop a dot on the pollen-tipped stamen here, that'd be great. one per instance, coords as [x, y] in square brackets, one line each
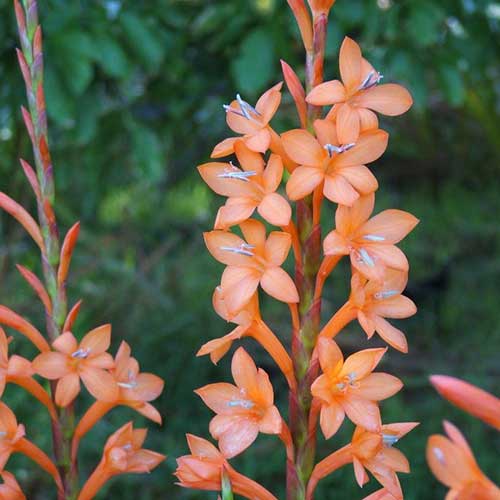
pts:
[373, 237]
[243, 249]
[243, 403]
[81, 353]
[389, 439]
[386, 294]
[366, 258]
[372, 79]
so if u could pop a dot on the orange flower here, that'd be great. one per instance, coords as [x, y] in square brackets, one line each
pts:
[370, 243]
[358, 95]
[249, 188]
[374, 300]
[17, 370]
[374, 452]
[243, 410]
[12, 440]
[452, 462]
[252, 123]
[71, 361]
[338, 166]
[135, 390]
[470, 398]
[349, 387]
[203, 470]
[123, 453]
[251, 262]
[10, 489]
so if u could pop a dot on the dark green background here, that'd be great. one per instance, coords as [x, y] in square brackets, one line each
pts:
[135, 93]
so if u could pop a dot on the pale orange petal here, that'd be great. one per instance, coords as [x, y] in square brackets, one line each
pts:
[367, 324]
[234, 212]
[390, 255]
[394, 459]
[239, 123]
[100, 383]
[220, 245]
[97, 340]
[331, 358]
[275, 209]
[248, 159]
[361, 178]
[271, 422]
[331, 418]
[67, 389]
[202, 448]
[362, 412]
[278, 284]
[259, 142]
[244, 371]
[65, 343]
[369, 147]
[389, 99]
[269, 102]
[391, 335]
[254, 233]
[339, 190]
[348, 125]
[224, 148]
[326, 132]
[51, 365]
[277, 247]
[395, 307]
[349, 219]
[213, 174]
[327, 93]
[303, 181]
[148, 386]
[367, 119]
[303, 148]
[238, 437]
[239, 285]
[273, 173]
[335, 244]
[359, 472]
[363, 362]
[378, 386]
[219, 396]
[350, 63]
[391, 225]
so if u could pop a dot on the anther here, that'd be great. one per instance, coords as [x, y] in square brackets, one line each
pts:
[386, 294]
[243, 249]
[390, 439]
[372, 79]
[331, 149]
[243, 403]
[237, 174]
[373, 237]
[365, 257]
[81, 353]
[438, 453]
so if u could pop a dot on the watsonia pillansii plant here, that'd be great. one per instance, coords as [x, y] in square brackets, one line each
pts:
[65, 360]
[326, 164]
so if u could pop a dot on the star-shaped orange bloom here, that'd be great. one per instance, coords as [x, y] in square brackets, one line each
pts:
[453, 463]
[203, 470]
[10, 489]
[358, 95]
[376, 300]
[18, 370]
[370, 242]
[123, 453]
[87, 360]
[251, 261]
[349, 387]
[243, 410]
[251, 122]
[374, 451]
[338, 166]
[248, 188]
[135, 390]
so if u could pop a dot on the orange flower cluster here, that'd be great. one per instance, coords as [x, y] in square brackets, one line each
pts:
[450, 458]
[63, 360]
[326, 158]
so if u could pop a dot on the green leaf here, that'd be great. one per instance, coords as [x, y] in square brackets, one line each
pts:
[452, 84]
[254, 66]
[424, 23]
[112, 58]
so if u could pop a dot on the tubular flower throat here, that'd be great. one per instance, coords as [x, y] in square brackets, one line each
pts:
[349, 387]
[358, 95]
[243, 410]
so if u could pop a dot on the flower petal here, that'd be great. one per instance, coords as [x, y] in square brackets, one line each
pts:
[362, 412]
[339, 190]
[331, 418]
[202, 448]
[100, 383]
[212, 174]
[239, 285]
[269, 102]
[224, 148]
[335, 244]
[97, 340]
[271, 422]
[331, 358]
[239, 123]
[254, 233]
[361, 178]
[303, 181]
[218, 243]
[394, 307]
[275, 209]
[350, 64]
[331, 92]
[67, 389]
[389, 99]
[219, 396]
[277, 247]
[394, 337]
[303, 148]
[273, 173]
[392, 225]
[65, 343]
[51, 365]
[348, 125]
[248, 159]
[326, 132]
[238, 437]
[245, 372]
[390, 255]
[259, 141]
[378, 386]
[234, 212]
[369, 147]
[367, 119]
[278, 284]
[349, 219]
[363, 362]
[359, 472]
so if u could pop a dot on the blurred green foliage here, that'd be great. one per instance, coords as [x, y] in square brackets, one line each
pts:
[134, 97]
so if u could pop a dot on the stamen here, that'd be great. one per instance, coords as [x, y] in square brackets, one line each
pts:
[230, 109]
[243, 249]
[438, 453]
[390, 439]
[373, 237]
[341, 386]
[127, 446]
[237, 174]
[81, 353]
[372, 79]
[2, 434]
[245, 107]
[385, 294]
[331, 149]
[365, 257]
[127, 385]
[352, 378]
[243, 403]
